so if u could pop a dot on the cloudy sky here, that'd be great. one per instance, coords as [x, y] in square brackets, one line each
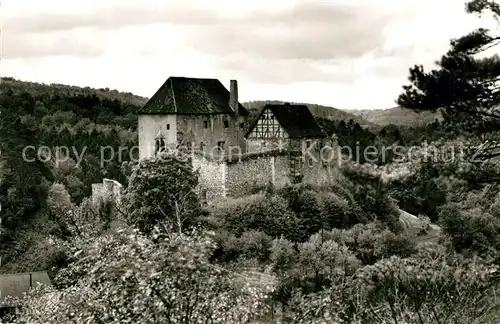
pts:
[351, 54]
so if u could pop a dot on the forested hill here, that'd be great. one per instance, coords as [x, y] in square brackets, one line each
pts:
[92, 125]
[34, 88]
[398, 116]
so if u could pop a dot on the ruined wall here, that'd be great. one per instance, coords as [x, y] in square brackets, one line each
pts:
[247, 175]
[212, 177]
[192, 129]
[98, 193]
[281, 171]
[148, 128]
[322, 164]
[108, 190]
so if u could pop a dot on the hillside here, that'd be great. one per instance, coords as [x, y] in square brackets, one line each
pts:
[34, 88]
[317, 110]
[73, 124]
[397, 116]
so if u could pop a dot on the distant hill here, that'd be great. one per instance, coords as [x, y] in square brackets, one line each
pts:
[34, 88]
[397, 116]
[317, 110]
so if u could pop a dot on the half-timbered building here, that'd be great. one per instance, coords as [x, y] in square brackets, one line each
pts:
[283, 127]
[289, 127]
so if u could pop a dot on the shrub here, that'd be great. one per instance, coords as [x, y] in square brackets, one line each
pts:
[125, 277]
[373, 242]
[255, 245]
[162, 189]
[472, 231]
[433, 288]
[267, 214]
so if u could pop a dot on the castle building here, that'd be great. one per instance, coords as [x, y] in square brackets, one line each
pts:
[283, 144]
[192, 112]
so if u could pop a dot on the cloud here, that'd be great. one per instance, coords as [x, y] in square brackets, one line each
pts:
[310, 31]
[65, 43]
[260, 70]
[112, 17]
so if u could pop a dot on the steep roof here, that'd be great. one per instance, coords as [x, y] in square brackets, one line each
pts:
[296, 120]
[180, 95]
[16, 284]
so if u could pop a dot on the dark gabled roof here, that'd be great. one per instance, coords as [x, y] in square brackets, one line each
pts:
[296, 120]
[180, 95]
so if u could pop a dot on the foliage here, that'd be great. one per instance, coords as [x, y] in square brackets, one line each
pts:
[473, 224]
[373, 242]
[426, 288]
[375, 197]
[125, 277]
[162, 189]
[268, 214]
[56, 133]
[420, 193]
[465, 84]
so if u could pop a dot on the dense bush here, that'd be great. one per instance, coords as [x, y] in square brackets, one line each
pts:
[268, 214]
[162, 189]
[373, 196]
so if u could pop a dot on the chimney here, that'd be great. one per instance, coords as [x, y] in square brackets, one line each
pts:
[233, 96]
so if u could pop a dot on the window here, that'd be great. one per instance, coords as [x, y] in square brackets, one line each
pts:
[242, 125]
[168, 126]
[293, 166]
[205, 124]
[159, 145]
[204, 197]
[226, 124]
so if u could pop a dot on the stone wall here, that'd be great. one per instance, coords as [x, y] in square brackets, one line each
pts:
[184, 129]
[238, 177]
[322, 165]
[245, 176]
[193, 130]
[281, 171]
[212, 175]
[108, 190]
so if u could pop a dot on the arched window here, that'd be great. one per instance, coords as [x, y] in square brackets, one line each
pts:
[160, 145]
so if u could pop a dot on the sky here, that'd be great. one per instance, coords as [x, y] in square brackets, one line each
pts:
[340, 53]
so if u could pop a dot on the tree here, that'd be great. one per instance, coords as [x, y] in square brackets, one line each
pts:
[124, 277]
[464, 86]
[162, 188]
[430, 287]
